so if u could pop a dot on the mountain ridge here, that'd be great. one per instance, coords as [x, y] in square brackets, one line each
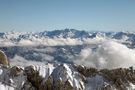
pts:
[63, 37]
[65, 77]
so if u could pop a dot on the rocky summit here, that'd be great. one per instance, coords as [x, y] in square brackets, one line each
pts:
[65, 77]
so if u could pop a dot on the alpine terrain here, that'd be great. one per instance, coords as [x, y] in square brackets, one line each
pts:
[67, 59]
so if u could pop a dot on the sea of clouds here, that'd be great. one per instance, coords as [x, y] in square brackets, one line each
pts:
[109, 53]
[50, 41]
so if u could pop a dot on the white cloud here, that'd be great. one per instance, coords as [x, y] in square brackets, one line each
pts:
[51, 41]
[20, 61]
[109, 54]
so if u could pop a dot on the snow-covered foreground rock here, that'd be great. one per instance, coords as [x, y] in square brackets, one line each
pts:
[65, 77]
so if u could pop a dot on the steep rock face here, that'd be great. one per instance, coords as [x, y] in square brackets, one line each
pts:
[66, 78]
[13, 78]
[39, 76]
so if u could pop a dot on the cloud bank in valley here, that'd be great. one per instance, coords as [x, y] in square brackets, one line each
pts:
[20, 61]
[109, 54]
[51, 41]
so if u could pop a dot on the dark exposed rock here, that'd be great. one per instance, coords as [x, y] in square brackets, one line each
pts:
[33, 77]
[87, 72]
[15, 71]
[119, 77]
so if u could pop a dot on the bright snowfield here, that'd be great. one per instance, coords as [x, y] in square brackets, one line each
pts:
[100, 50]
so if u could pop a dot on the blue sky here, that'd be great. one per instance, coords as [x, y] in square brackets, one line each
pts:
[40, 15]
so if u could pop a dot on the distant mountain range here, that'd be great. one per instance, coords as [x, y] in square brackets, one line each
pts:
[63, 37]
[66, 33]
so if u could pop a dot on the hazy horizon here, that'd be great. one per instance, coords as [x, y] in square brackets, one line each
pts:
[89, 15]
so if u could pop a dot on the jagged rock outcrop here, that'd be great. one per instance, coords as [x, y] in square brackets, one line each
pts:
[87, 72]
[65, 77]
[62, 77]
[120, 78]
